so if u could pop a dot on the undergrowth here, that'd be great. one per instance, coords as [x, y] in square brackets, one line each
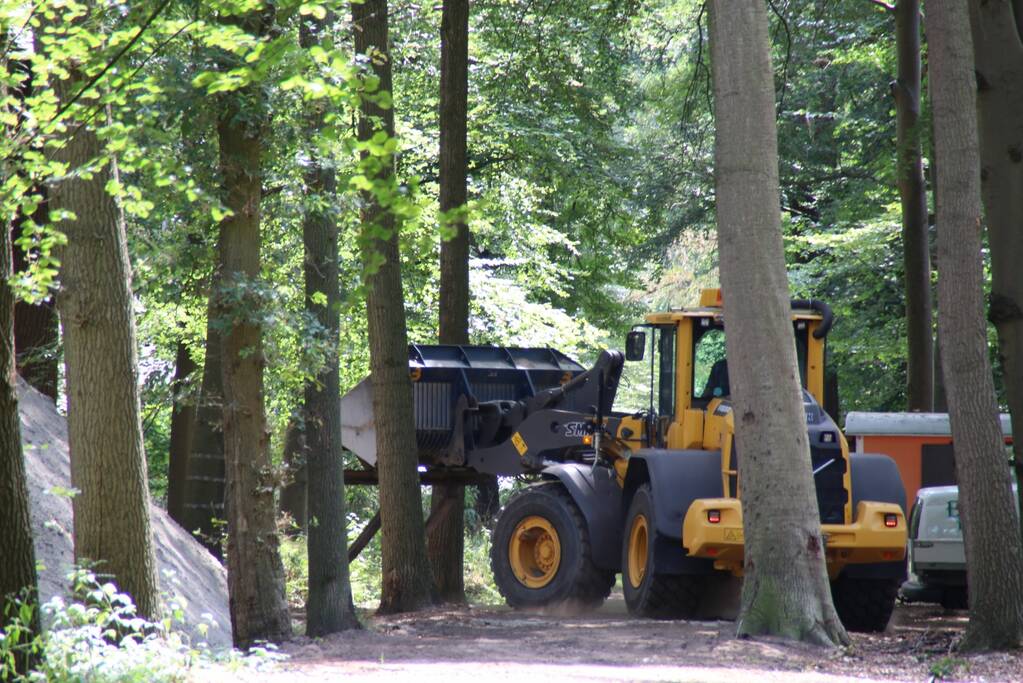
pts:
[96, 636]
[365, 569]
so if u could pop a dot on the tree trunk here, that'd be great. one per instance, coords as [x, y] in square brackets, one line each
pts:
[204, 484]
[406, 582]
[182, 433]
[446, 540]
[255, 574]
[329, 608]
[998, 53]
[108, 462]
[994, 551]
[786, 590]
[913, 193]
[294, 495]
[18, 570]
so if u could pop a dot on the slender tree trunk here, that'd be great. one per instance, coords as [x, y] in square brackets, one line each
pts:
[329, 608]
[182, 433]
[447, 538]
[295, 495]
[204, 483]
[18, 569]
[994, 551]
[255, 574]
[786, 590]
[998, 53]
[108, 461]
[913, 193]
[406, 581]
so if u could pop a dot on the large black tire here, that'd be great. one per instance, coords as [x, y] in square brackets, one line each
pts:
[537, 525]
[864, 605]
[648, 593]
[955, 598]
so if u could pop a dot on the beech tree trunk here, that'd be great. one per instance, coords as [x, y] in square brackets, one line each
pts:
[18, 568]
[406, 582]
[785, 590]
[204, 483]
[182, 433]
[108, 462]
[913, 194]
[329, 608]
[998, 53]
[294, 499]
[994, 551]
[255, 574]
[446, 540]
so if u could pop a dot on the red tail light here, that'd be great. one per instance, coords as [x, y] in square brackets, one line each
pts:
[891, 520]
[713, 516]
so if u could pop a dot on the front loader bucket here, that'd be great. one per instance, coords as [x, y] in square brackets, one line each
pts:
[449, 383]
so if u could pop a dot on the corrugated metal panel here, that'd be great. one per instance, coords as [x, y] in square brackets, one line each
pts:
[905, 424]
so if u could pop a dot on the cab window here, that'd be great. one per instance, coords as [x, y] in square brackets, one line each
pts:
[666, 370]
[710, 370]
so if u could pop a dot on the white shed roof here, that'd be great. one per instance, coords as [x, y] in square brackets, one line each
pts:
[905, 424]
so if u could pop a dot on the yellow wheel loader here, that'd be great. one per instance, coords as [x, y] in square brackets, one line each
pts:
[654, 495]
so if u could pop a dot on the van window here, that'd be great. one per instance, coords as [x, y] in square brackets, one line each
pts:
[914, 518]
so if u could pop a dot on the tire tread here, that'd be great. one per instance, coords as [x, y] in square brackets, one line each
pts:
[589, 586]
[865, 605]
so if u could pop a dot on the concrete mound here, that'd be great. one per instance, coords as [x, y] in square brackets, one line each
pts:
[186, 568]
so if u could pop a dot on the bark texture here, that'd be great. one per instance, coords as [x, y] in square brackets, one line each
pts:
[255, 574]
[108, 462]
[913, 194]
[786, 590]
[329, 608]
[998, 53]
[182, 433]
[446, 540]
[204, 483]
[994, 556]
[18, 569]
[406, 582]
[294, 498]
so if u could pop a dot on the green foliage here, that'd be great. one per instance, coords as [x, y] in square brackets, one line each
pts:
[591, 193]
[97, 637]
[948, 668]
[365, 570]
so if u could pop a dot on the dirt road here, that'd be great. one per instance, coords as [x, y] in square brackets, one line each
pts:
[496, 644]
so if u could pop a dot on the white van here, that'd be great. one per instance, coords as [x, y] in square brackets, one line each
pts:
[937, 562]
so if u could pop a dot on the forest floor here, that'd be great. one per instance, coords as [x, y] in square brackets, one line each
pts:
[496, 644]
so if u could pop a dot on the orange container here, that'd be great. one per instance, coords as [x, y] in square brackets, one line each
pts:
[919, 443]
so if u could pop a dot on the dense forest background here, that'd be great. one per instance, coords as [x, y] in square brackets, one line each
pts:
[591, 187]
[225, 198]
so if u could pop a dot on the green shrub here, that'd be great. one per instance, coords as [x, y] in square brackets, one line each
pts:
[97, 637]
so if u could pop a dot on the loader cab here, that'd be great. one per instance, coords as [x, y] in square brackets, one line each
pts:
[689, 370]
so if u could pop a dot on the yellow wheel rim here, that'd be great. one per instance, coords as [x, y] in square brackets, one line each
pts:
[534, 552]
[638, 538]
